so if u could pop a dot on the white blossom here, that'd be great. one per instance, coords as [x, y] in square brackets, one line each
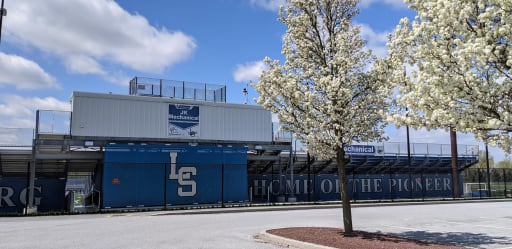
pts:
[459, 56]
[322, 92]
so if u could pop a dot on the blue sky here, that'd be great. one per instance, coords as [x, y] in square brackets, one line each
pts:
[54, 47]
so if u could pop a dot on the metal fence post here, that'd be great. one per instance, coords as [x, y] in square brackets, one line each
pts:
[250, 195]
[479, 182]
[160, 87]
[268, 192]
[505, 181]
[222, 185]
[422, 188]
[165, 186]
[488, 170]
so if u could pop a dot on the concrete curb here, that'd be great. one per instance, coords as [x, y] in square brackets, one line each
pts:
[282, 241]
[195, 211]
[244, 209]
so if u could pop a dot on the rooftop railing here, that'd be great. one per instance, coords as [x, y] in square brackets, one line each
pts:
[279, 135]
[142, 86]
[53, 122]
[428, 149]
[400, 148]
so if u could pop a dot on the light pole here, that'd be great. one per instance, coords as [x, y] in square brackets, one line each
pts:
[244, 92]
[3, 12]
[409, 164]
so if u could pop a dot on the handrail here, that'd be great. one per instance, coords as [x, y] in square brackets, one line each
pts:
[143, 86]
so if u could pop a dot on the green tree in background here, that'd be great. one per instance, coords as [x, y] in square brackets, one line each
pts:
[504, 164]
[482, 163]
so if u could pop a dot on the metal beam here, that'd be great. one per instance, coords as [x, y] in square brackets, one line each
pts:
[1, 167]
[324, 165]
[262, 158]
[74, 155]
[66, 142]
[266, 167]
[274, 147]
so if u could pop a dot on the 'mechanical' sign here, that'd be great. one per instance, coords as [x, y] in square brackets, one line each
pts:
[359, 149]
[183, 121]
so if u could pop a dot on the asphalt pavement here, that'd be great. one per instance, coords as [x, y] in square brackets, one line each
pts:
[470, 224]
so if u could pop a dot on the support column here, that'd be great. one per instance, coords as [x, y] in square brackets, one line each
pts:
[32, 168]
[409, 161]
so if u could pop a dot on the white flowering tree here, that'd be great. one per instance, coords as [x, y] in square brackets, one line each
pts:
[458, 56]
[323, 93]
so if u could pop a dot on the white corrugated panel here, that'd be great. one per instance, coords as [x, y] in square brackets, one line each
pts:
[109, 115]
[235, 123]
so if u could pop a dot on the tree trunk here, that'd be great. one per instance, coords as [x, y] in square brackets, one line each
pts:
[345, 198]
[455, 172]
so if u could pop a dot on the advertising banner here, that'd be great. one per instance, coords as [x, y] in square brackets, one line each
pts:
[360, 187]
[359, 149]
[48, 194]
[183, 121]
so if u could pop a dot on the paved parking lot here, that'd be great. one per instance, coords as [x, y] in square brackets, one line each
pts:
[479, 225]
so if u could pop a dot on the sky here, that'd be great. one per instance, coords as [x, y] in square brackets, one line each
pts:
[51, 48]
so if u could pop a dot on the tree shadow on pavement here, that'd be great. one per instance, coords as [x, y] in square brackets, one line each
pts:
[475, 240]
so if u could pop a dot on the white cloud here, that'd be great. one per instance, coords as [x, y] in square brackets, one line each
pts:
[16, 136]
[18, 111]
[88, 32]
[22, 107]
[394, 3]
[376, 41]
[84, 65]
[118, 78]
[23, 73]
[249, 71]
[272, 5]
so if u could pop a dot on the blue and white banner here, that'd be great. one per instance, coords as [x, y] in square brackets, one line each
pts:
[359, 149]
[48, 194]
[183, 121]
[360, 186]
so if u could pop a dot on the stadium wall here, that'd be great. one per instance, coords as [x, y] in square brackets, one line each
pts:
[158, 175]
[49, 194]
[325, 187]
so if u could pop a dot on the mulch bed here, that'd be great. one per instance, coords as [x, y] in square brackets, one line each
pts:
[334, 237]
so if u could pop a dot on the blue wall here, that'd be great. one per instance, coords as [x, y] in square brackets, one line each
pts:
[145, 175]
[48, 194]
[360, 187]
[154, 175]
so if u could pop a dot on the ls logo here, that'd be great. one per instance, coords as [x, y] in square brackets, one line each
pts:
[186, 186]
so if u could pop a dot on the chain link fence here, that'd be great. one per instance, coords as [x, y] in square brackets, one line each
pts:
[495, 183]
